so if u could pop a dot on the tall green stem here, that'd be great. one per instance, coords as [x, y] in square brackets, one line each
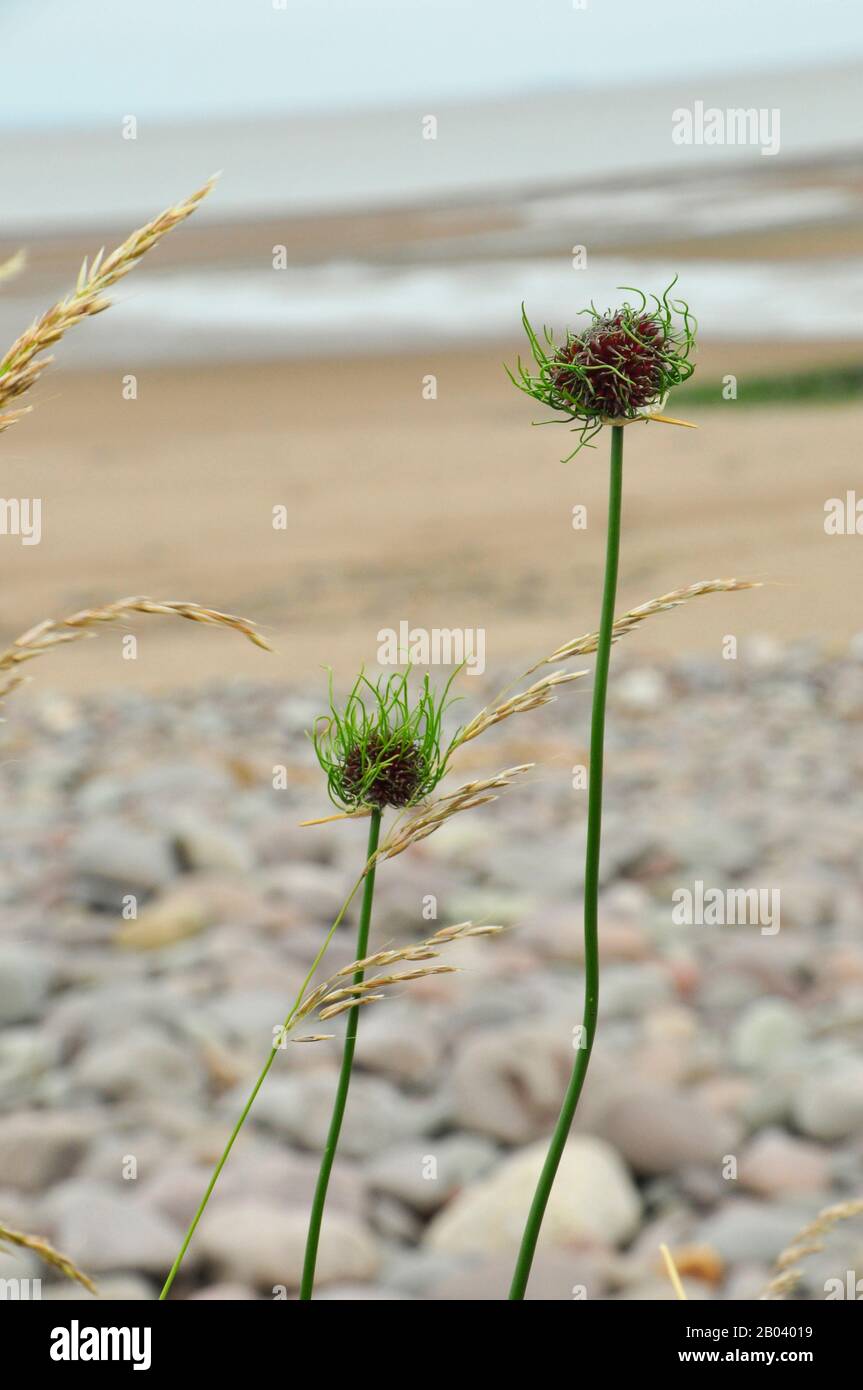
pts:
[320, 1197]
[259, 1083]
[591, 880]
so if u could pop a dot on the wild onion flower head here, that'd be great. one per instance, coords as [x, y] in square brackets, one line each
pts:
[618, 366]
[385, 746]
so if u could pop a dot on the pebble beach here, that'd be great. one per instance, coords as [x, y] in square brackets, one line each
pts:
[724, 1105]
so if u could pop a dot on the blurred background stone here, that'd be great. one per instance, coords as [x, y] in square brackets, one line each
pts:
[723, 1103]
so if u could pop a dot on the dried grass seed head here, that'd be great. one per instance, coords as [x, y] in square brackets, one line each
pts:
[51, 633]
[334, 996]
[24, 362]
[55, 1258]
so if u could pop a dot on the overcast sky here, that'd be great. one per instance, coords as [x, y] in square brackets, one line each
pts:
[80, 62]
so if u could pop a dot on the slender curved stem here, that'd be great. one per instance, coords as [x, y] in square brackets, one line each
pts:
[369, 868]
[591, 881]
[215, 1178]
[317, 1212]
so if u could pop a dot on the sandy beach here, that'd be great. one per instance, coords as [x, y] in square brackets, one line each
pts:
[444, 513]
[303, 389]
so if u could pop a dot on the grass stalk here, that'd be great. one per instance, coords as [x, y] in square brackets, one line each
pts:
[289, 1020]
[591, 881]
[187, 1239]
[317, 1212]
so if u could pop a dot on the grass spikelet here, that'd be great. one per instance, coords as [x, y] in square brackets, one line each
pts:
[542, 692]
[387, 958]
[52, 633]
[348, 1004]
[333, 996]
[46, 1252]
[24, 362]
[429, 818]
[584, 646]
[383, 982]
[808, 1241]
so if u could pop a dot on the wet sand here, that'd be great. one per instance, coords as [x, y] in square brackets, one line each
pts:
[445, 513]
